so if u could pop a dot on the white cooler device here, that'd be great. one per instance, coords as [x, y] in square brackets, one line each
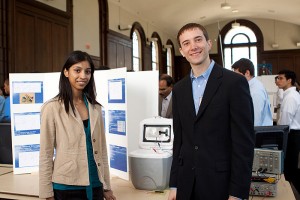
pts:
[150, 165]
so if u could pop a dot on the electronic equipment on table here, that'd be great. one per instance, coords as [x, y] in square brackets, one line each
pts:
[268, 162]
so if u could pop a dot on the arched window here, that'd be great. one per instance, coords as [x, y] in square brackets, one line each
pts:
[245, 41]
[169, 46]
[240, 43]
[136, 51]
[155, 63]
[169, 62]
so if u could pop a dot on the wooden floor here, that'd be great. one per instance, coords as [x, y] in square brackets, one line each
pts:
[25, 187]
[296, 193]
[124, 190]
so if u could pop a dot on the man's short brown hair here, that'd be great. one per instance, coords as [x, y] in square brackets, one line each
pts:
[190, 26]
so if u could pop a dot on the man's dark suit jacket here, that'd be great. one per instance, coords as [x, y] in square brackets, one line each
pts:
[216, 146]
[169, 113]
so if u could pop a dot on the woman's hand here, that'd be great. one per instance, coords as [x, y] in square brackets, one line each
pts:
[108, 195]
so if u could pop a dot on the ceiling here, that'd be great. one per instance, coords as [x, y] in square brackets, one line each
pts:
[171, 15]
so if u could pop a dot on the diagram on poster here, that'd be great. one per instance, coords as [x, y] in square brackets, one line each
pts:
[118, 157]
[27, 92]
[117, 122]
[116, 90]
[27, 155]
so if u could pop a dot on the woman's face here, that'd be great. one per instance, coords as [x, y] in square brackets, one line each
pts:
[79, 75]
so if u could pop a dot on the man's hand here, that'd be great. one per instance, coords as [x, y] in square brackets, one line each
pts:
[233, 198]
[172, 194]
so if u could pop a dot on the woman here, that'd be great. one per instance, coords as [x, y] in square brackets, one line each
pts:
[72, 125]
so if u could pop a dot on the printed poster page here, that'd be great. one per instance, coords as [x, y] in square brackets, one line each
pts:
[28, 92]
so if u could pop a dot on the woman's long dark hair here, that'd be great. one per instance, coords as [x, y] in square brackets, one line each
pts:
[65, 91]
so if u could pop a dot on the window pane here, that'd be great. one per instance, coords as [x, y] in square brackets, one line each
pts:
[136, 64]
[154, 56]
[136, 50]
[168, 57]
[135, 44]
[169, 64]
[242, 29]
[240, 38]
[153, 51]
[253, 58]
[153, 66]
[227, 58]
[239, 52]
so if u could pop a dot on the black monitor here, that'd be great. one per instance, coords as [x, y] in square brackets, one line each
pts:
[272, 137]
[5, 144]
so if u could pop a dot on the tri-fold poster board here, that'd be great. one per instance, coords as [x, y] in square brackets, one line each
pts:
[127, 98]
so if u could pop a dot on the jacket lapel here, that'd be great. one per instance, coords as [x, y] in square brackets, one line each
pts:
[71, 113]
[94, 116]
[188, 95]
[159, 105]
[169, 110]
[213, 83]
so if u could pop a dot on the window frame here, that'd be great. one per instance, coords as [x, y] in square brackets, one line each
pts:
[138, 27]
[256, 30]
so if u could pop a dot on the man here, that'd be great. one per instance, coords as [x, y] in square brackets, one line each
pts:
[260, 98]
[290, 115]
[213, 126]
[290, 108]
[6, 117]
[165, 96]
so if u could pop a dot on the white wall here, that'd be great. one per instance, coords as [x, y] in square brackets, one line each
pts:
[61, 5]
[120, 16]
[86, 27]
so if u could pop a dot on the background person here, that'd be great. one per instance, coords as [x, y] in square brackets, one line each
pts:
[2, 101]
[260, 98]
[290, 115]
[72, 124]
[6, 117]
[166, 83]
[213, 126]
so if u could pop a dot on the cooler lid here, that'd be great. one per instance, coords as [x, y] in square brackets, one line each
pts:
[146, 153]
[157, 133]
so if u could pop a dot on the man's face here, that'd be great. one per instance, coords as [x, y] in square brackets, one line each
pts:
[283, 83]
[164, 90]
[276, 81]
[194, 46]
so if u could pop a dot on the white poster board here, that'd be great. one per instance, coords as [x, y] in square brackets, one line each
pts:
[142, 102]
[269, 83]
[28, 92]
[111, 88]
[136, 101]
[127, 98]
